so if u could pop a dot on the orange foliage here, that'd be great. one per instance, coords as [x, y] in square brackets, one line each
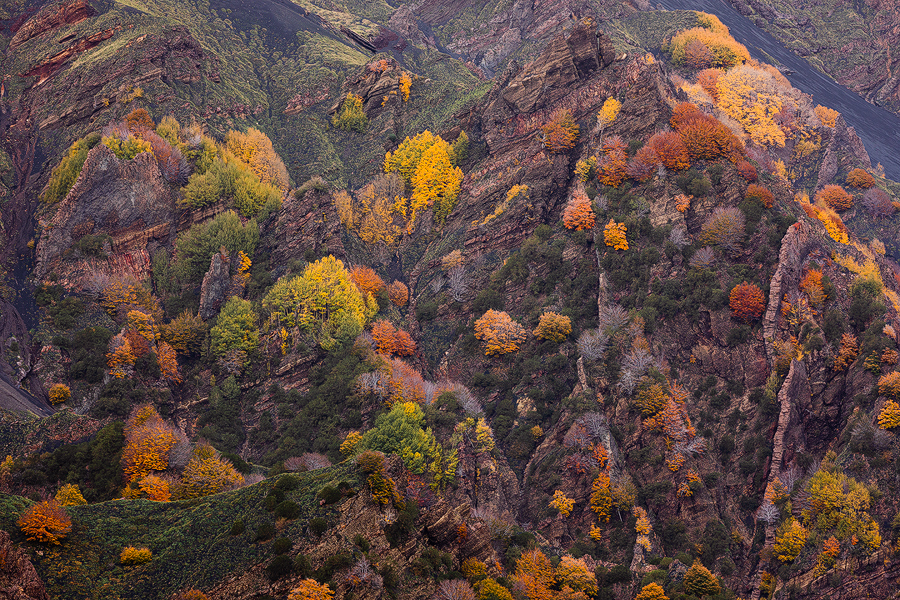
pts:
[310, 589]
[747, 302]
[45, 522]
[366, 280]
[579, 214]
[682, 113]
[747, 171]
[499, 333]
[669, 149]
[561, 133]
[398, 293]
[59, 393]
[147, 443]
[812, 285]
[708, 78]
[156, 488]
[859, 178]
[405, 384]
[168, 362]
[611, 168]
[534, 573]
[848, 352]
[120, 358]
[383, 333]
[601, 498]
[705, 137]
[139, 120]
[759, 193]
[614, 235]
[827, 115]
[835, 197]
[697, 55]
[403, 344]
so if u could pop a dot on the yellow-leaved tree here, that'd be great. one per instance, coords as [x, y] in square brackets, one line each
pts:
[255, 149]
[323, 301]
[148, 441]
[499, 333]
[206, 474]
[754, 96]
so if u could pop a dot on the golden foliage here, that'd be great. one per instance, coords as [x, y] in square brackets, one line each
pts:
[59, 393]
[700, 582]
[608, 112]
[811, 285]
[834, 196]
[155, 488]
[860, 178]
[499, 333]
[451, 260]
[46, 522]
[889, 417]
[726, 52]
[184, 333]
[348, 446]
[120, 358]
[584, 168]
[652, 591]
[147, 443]
[553, 326]
[69, 495]
[827, 115]
[405, 83]
[135, 556]
[207, 474]
[614, 235]
[310, 589]
[889, 385]
[754, 96]
[562, 503]
[255, 149]
[848, 352]
[789, 540]
[601, 498]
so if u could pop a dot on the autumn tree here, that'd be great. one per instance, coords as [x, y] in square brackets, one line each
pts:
[561, 132]
[700, 582]
[534, 573]
[553, 326]
[859, 178]
[725, 51]
[322, 301]
[255, 149]
[747, 302]
[789, 540]
[490, 589]
[708, 79]
[575, 574]
[398, 293]
[652, 591]
[759, 194]
[578, 214]
[889, 385]
[847, 353]
[120, 358]
[669, 149]
[827, 115]
[310, 589]
[889, 417]
[184, 333]
[834, 196]
[148, 441]
[206, 474]
[811, 285]
[643, 164]
[614, 235]
[611, 169]
[754, 96]
[70, 495]
[168, 362]
[46, 522]
[455, 589]
[748, 172]
[562, 503]
[608, 113]
[367, 280]
[59, 393]
[499, 333]
[155, 488]
[723, 228]
[697, 55]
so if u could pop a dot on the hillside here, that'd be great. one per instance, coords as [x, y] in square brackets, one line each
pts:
[481, 299]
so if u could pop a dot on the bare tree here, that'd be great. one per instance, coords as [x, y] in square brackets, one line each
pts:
[627, 382]
[703, 258]
[455, 589]
[637, 361]
[594, 423]
[459, 283]
[678, 236]
[790, 478]
[768, 513]
[372, 383]
[612, 318]
[592, 344]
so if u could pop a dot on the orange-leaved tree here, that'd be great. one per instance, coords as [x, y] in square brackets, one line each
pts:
[148, 441]
[747, 171]
[827, 115]
[860, 178]
[759, 194]
[46, 521]
[834, 196]
[611, 170]
[579, 214]
[644, 163]
[499, 333]
[652, 591]
[669, 149]
[398, 293]
[534, 573]
[747, 302]
[367, 280]
[168, 362]
[707, 78]
[561, 133]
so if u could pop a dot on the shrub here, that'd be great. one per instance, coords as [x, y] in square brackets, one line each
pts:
[135, 556]
[287, 510]
[760, 194]
[499, 333]
[318, 526]
[66, 172]
[237, 528]
[724, 228]
[329, 494]
[310, 589]
[351, 116]
[652, 591]
[835, 197]
[724, 50]
[859, 178]
[747, 171]
[281, 566]
[747, 302]
[889, 385]
[265, 531]
[282, 546]
[127, 148]
[561, 133]
[59, 393]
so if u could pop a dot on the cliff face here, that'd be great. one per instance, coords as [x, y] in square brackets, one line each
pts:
[129, 201]
[18, 578]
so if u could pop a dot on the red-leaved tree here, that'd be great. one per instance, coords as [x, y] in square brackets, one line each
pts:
[747, 302]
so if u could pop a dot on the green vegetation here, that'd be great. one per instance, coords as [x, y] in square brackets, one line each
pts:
[66, 172]
[195, 247]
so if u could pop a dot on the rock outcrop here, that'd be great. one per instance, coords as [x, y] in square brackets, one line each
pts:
[18, 578]
[845, 151]
[127, 200]
[215, 286]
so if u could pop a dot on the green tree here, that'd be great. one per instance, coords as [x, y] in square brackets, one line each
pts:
[194, 248]
[236, 329]
[323, 301]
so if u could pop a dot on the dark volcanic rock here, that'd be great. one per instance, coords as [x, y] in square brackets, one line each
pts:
[18, 578]
[51, 17]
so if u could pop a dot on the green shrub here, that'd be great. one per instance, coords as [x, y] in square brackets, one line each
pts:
[281, 546]
[287, 510]
[287, 483]
[195, 247]
[92, 245]
[237, 528]
[281, 566]
[318, 526]
[329, 494]
[351, 116]
[302, 566]
[66, 312]
[265, 531]
[66, 172]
